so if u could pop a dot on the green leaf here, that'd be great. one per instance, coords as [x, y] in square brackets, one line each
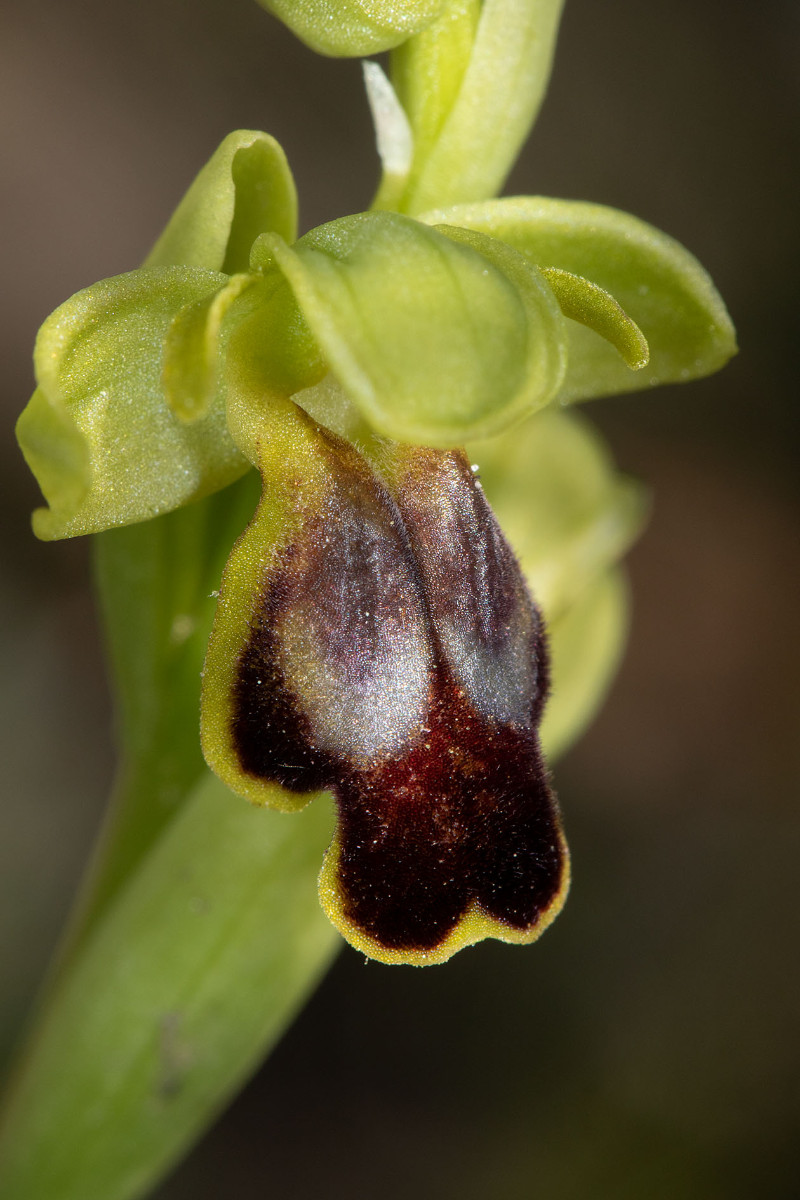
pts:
[436, 335]
[200, 933]
[194, 972]
[658, 283]
[354, 27]
[472, 85]
[98, 433]
[245, 189]
[586, 644]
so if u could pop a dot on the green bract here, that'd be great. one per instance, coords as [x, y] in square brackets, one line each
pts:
[471, 85]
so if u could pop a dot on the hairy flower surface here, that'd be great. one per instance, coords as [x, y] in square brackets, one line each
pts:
[385, 646]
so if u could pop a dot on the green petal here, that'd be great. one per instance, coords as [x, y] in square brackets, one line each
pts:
[191, 370]
[98, 434]
[436, 335]
[271, 350]
[354, 27]
[245, 189]
[593, 307]
[658, 283]
[564, 508]
[472, 85]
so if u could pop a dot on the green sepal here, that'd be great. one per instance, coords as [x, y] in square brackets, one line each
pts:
[570, 517]
[436, 335]
[657, 282]
[586, 645]
[567, 512]
[354, 27]
[472, 85]
[245, 189]
[57, 453]
[98, 361]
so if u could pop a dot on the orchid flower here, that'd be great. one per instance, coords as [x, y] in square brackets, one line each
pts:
[321, 362]
[379, 632]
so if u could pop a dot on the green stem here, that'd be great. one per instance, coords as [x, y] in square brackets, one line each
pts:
[156, 585]
[197, 935]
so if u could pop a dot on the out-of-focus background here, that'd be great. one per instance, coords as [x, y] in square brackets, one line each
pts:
[649, 1045]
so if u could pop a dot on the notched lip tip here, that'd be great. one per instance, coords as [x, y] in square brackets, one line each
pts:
[474, 926]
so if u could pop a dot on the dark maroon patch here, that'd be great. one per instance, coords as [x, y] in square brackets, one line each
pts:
[460, 810]
[270, 733]
[465, 815]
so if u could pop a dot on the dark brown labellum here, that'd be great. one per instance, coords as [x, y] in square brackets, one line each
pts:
[396, 657]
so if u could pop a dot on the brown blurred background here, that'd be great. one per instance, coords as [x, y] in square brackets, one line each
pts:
[649, 1046]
